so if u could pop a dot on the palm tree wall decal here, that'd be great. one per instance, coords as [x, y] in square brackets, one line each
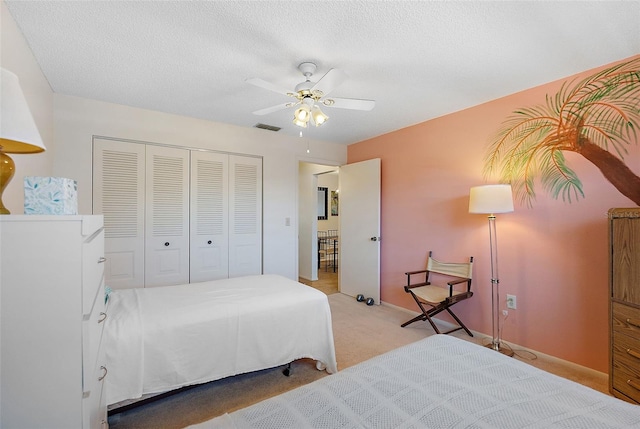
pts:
[597, 117]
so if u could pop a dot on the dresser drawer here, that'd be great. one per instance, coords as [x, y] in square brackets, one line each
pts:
[92, 329]
[92, 269]
[626, 365]
[625, 319]
[94, 407]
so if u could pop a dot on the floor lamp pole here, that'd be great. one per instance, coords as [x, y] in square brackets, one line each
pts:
[496, 344]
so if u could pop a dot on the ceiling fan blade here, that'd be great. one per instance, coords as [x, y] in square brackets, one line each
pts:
[330, 81]
[268, 85]
[348, 103]
[273, 109]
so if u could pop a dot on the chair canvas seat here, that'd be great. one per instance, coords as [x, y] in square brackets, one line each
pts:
[433, 299]
[433, 294]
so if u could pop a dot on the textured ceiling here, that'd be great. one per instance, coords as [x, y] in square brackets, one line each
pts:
[417, 60]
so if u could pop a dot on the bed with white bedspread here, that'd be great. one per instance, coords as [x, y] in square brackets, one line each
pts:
[163, 338]
[439, 382]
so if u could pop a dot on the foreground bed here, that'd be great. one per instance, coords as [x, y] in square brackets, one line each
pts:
[439, 382]
[164, 338]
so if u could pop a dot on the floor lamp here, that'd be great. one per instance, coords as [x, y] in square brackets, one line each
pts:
[18, 130]
[492, 199]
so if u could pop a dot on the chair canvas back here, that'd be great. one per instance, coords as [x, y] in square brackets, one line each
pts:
[463, 269]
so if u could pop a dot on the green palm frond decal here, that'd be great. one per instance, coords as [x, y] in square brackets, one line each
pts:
[597, 117]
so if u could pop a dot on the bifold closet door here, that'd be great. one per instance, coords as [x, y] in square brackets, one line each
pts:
[167, 216]
[174, 215]
[209, 216]
[245, 216]
[118, 194]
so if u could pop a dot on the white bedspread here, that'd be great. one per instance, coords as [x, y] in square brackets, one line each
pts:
[163, 338]
[439, 382]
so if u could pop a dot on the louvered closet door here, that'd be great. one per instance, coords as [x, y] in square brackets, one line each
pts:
[245, 216]
[167, 216]
[209, 216]
[118, 194]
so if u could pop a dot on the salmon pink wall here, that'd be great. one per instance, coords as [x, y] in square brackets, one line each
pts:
[552, 256]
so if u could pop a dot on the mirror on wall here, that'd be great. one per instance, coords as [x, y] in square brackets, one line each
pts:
[322, 203]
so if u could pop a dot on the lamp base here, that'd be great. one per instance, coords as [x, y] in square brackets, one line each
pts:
[7, 168]
[501, 349]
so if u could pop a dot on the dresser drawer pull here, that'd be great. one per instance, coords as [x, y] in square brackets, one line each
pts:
[105, 374]
[103, 317]
[102, 259]
[633, 322]
[633, 384]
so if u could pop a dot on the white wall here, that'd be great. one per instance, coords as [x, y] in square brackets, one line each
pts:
[77, 120]
[16, 56]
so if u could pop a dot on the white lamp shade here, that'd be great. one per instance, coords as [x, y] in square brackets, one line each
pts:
[18, 130]
[491, 199]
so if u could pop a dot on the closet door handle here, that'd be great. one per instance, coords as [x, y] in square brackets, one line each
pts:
[104, 374]
[209, 242]
[166, 243]
[102, 259]
[103, 317]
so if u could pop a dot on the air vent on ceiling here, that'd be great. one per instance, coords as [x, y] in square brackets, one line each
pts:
[267, 127]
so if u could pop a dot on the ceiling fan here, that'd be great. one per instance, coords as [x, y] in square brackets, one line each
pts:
[310, 95]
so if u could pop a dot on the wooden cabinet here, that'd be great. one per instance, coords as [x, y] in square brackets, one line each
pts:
[624, 246]
[52, 304]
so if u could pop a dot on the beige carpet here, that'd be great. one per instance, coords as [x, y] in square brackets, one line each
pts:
[360, 332]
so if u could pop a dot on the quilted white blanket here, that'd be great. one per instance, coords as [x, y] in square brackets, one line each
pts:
[163, 338]
[439, 382]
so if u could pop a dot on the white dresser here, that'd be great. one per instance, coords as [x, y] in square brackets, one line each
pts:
[52, 309]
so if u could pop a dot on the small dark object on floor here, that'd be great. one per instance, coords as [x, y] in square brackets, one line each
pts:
[360, 297]
[370, 301]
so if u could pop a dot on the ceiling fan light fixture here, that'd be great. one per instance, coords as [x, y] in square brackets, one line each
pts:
[300, 123]
[302, 113]
[318, 116]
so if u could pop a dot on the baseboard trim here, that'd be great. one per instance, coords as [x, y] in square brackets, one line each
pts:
[517, 347]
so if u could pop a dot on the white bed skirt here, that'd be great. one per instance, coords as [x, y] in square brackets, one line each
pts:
[163, 338]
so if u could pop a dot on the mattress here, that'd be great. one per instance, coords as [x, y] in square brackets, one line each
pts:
[439, 382]
[163, 338]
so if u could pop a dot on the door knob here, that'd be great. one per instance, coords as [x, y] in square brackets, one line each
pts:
[376, 238]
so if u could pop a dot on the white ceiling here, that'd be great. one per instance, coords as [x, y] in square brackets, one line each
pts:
[417, 59]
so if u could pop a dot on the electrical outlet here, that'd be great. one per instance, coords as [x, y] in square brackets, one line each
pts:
[511, 302]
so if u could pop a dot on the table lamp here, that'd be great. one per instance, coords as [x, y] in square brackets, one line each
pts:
[18, 130]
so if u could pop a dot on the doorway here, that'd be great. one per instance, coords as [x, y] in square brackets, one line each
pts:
[314, 267]
[359, 225]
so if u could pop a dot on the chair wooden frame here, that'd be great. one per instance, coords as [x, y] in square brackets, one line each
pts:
[433, 299]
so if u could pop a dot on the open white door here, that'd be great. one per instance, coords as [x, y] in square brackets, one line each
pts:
[359, 264]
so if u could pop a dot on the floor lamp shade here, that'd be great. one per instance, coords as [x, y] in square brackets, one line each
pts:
[18, 130]
[492, 199]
